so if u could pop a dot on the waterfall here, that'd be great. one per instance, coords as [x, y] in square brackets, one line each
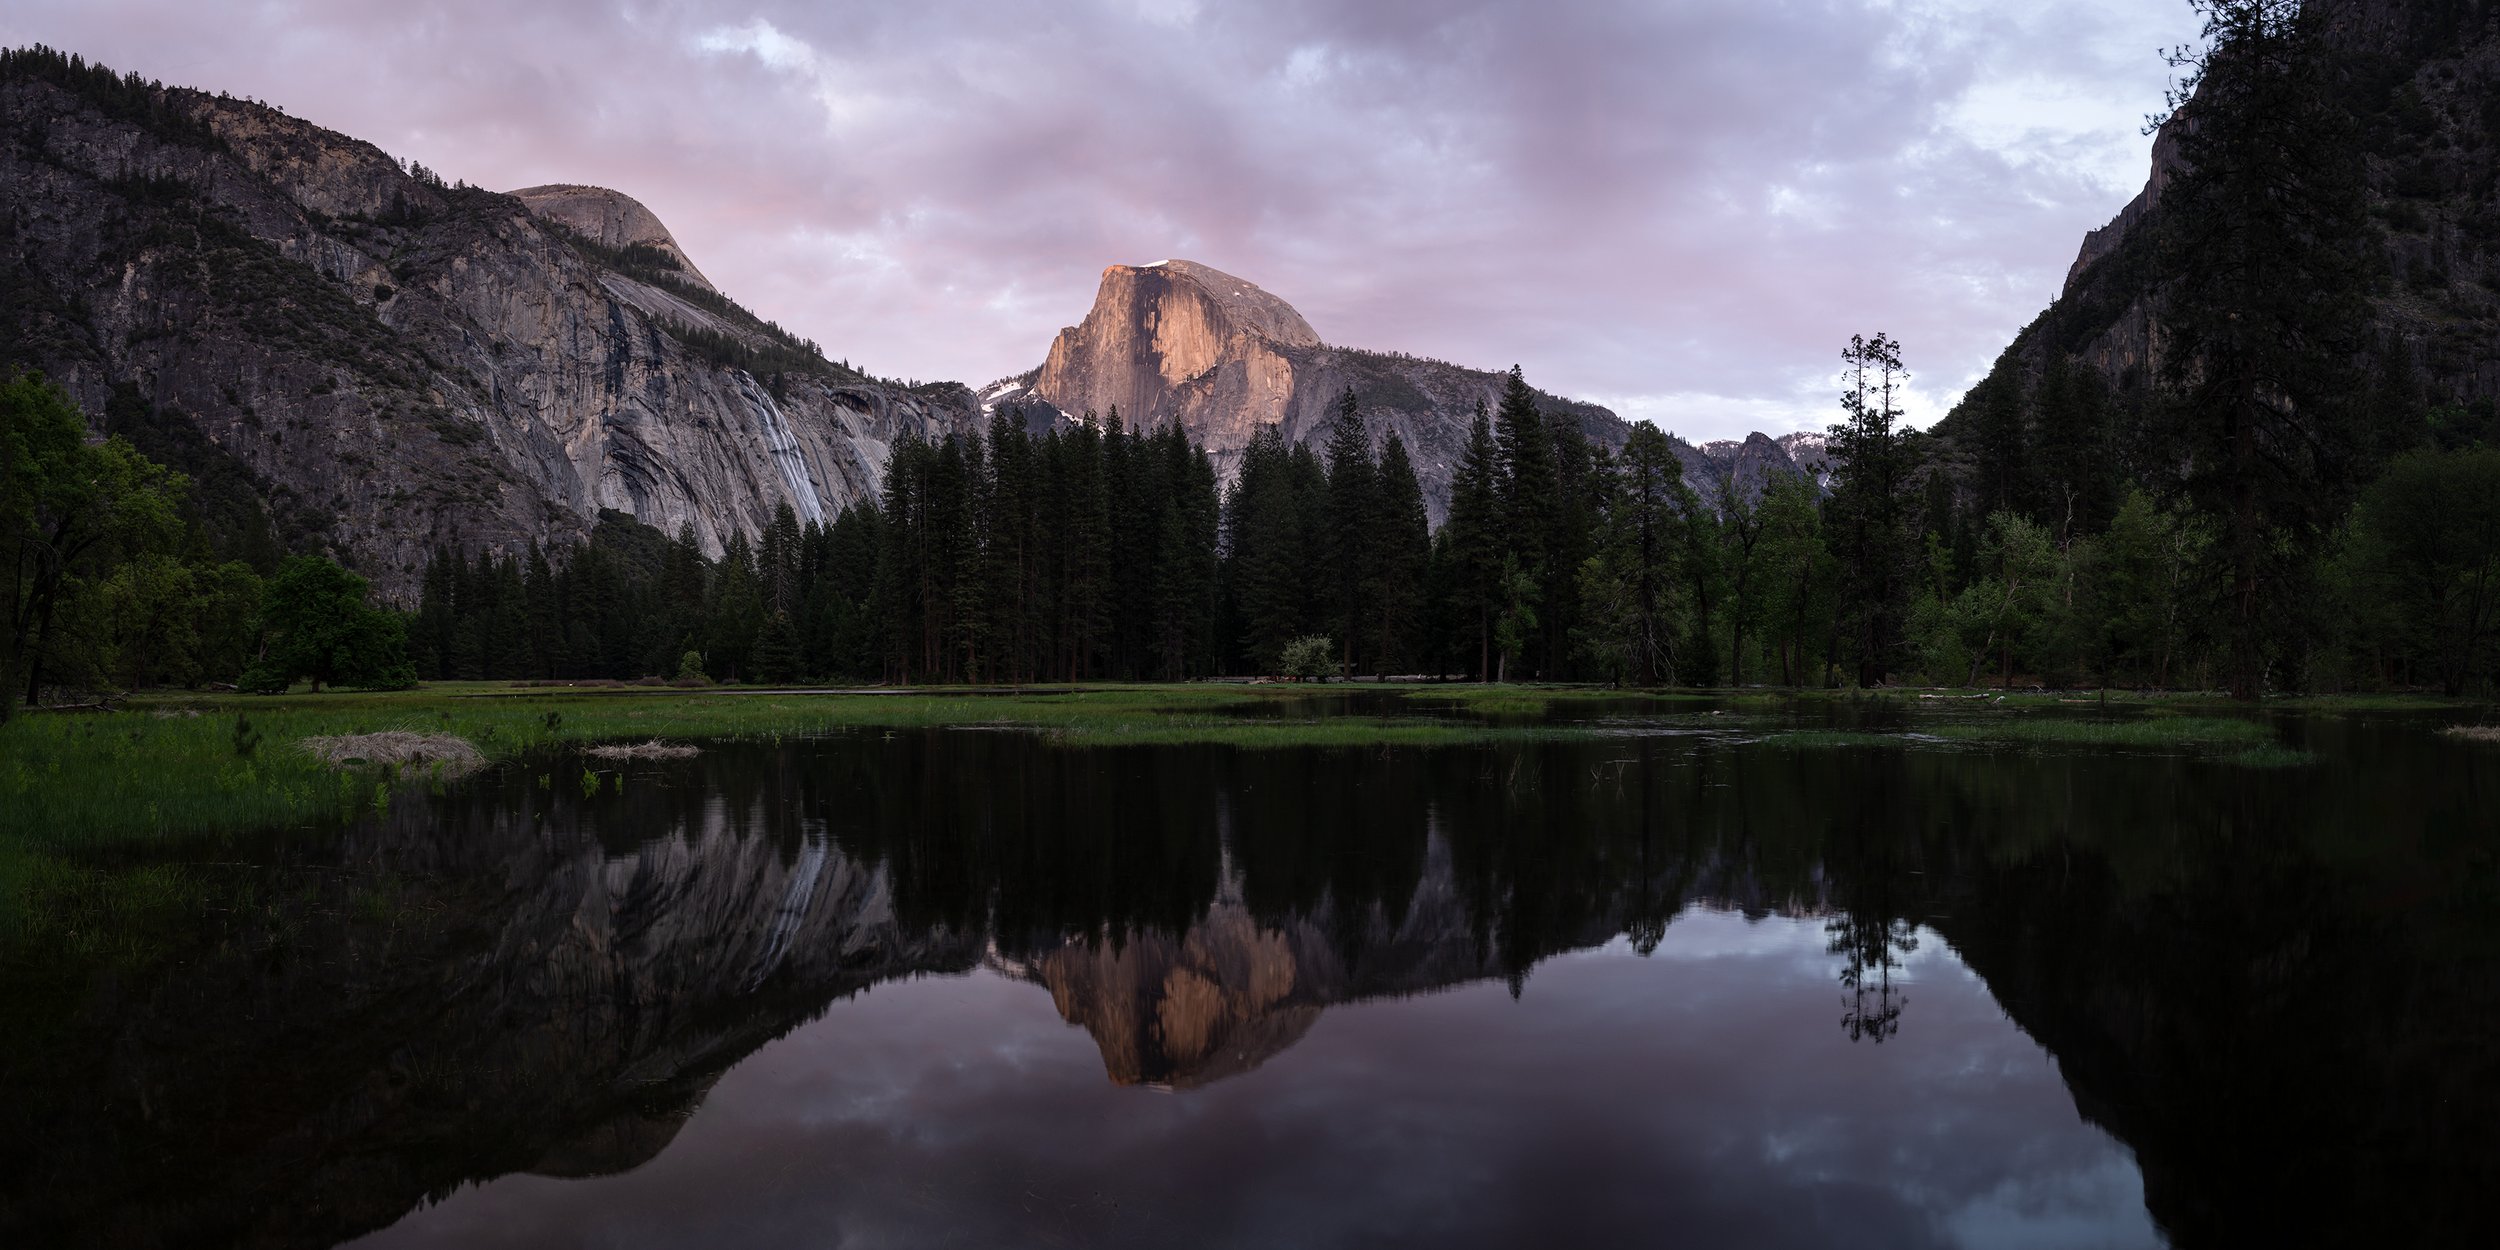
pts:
[784, 446]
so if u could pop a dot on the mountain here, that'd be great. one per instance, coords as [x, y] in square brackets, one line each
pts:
[2422, 80]
[355, 356]
[350, 355]
[1180, 342]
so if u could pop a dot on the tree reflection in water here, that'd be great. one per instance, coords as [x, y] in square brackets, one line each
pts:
[515, 978]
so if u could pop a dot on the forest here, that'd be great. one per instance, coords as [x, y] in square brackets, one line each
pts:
[2279, 504]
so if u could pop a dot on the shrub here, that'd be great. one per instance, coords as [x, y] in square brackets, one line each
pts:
[1310, 658]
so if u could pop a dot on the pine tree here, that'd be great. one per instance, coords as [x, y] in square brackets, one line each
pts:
[1630, 582]
[1185, 567]
[683, 582]
[2076, 477]
[2260, 237]
[1872, 459]
[1268, 565]
[1531, 493]
[777, 650]
[1348, 541]
[2000, 462]
[1473, 541]
[538, 592]
[1008, 549]
[1401, 548]
[1578, 468]
[736, 613]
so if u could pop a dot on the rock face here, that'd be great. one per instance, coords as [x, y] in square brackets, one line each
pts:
[1179, 342]
[390, 364]
[2420, 83]
[609, 219]
[361, 359]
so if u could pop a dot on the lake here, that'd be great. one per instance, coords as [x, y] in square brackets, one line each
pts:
[1664, 984]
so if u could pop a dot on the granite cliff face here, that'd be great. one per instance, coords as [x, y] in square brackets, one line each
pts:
[2422, 82]
[1179, 342]
[392, 363]
[365, 360]
[611, 219]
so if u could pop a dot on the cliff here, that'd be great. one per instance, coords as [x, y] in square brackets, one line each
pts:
[390, 363]
[1179, 342]
[2422, 82]
[611, 219]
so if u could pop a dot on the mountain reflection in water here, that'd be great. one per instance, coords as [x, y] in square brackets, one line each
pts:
[1583, 992]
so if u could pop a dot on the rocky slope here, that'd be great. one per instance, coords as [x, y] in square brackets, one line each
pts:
[1177, 341]
[2423, 82]
[391, 363]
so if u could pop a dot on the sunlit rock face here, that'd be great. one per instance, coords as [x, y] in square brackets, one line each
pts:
[609, 219]
[1179, 342]
[392, 364]
[1176, 342]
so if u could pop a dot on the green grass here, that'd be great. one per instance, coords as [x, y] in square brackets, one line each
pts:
[158, 771]
[2150, 731]
[2369, 702]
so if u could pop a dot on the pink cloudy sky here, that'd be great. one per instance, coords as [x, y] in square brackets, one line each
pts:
[1680, 209]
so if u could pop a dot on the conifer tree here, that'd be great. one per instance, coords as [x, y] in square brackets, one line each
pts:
[1348, 542]
[1267, 557]
[1531, 495]
[2000, 459]
[1872, 458]
[1401, 548]
[1473, 541]
[1631, 581]
[2260, 228]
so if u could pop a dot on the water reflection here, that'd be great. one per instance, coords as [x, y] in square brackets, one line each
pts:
[1566, 991]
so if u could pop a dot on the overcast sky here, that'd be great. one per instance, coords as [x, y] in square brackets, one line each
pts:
[1680, 209]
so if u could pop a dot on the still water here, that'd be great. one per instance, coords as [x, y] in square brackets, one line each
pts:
[1668, 987]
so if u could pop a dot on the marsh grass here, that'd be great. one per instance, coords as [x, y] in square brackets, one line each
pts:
[99, 779]
[2149, 731]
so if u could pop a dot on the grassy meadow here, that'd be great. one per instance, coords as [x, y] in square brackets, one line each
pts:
[175, 765]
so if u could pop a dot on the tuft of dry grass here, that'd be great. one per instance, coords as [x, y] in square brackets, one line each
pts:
[652, 750]
[2474, 733]
[396, 748]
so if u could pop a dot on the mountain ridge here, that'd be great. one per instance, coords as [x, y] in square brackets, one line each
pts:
[361, 359]
[1181, 342]
[390, 364]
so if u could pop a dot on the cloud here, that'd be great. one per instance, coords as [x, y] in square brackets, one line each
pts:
[1704, 1095]
[1700, 200]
